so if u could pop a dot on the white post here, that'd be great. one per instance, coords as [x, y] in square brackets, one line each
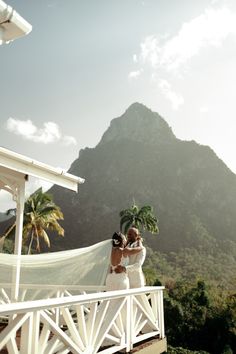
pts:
[160, 302]
[1, 35]
[18, 238]
[129, 323]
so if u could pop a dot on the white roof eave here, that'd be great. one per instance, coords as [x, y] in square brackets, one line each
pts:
[12, 25]
[27, 166]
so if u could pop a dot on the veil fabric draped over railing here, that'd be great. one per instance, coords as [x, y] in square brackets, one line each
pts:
[83, 267]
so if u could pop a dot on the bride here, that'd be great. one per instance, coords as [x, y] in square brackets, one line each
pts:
[117, 278]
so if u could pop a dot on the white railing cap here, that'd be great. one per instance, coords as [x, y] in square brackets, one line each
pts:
[28, 306]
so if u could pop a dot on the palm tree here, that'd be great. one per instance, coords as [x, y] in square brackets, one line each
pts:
[40, 214]
[142, 218]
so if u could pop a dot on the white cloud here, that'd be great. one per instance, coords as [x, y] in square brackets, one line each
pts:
[176, 99]
[69, 140]
[21, 127]
[135, 74]
[135, 58]
[209, 29]
[50, 133]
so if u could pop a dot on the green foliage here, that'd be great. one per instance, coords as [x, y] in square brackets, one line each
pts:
[180, 350]
[8, 247]
[40, 215]
[199, 317]
[142, 218]
[213, 265]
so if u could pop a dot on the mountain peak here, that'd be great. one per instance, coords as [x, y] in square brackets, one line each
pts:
[137, 107]
[138, 123]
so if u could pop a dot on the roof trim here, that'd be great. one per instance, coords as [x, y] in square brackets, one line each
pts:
[12, 25]
[27, 166]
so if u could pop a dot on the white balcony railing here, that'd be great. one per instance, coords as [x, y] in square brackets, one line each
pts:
[104, 322]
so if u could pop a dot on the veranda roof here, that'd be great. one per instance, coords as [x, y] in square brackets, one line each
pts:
[20, 164]
[12, 25]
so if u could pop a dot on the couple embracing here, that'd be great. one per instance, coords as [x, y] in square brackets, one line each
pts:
[127, 257]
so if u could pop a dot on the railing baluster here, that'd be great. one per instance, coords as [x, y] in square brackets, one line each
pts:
[96, 322]
[129, 306]
[26, 335]
[44, 336]
[161, 314]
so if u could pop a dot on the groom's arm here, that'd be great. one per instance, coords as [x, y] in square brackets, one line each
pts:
[140, 258]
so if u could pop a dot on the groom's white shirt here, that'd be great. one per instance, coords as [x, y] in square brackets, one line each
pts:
[134, 268]
[136, 260]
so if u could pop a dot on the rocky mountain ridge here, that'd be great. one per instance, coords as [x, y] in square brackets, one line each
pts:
[139, 158]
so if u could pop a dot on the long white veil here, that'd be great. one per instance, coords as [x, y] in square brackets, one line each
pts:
[44, 274]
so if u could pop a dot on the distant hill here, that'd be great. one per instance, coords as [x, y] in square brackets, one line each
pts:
[139, 158]
[4, 217]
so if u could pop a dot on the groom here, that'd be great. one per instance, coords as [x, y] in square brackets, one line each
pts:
[134, 269]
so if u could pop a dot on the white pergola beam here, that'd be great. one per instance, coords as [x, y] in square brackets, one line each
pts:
[27, 166]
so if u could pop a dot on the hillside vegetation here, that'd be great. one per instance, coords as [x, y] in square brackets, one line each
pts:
[192, 191]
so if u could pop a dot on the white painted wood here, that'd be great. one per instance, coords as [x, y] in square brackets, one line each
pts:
[52, 345]
[116, 330]
[111, 350]
[12, 24]
[5, 296]
[63, 351]
[145, 336]
[153, 297]
[137, 323]
[72, 328]
[128, 326]
[81, 324]
[114, 319]
[28, 166]
[10, 331]
[113, 339]
[18, 239]
[101, 313]
[12, 346]
[143, 301]
[140, 327]
[62, 335]
[112, 313]
[120, 324]
[43, 339]
[161, 314]
[35, 332]
[26, 336]
[148, 314]
[23, 294]
[98, 336]
[91, 322]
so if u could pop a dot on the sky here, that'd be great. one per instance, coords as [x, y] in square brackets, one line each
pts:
[86, 61]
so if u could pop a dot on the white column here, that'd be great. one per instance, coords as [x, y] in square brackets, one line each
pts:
[1, 35]
[18, 238]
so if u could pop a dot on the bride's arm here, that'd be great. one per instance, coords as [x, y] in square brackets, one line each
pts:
[128, 251]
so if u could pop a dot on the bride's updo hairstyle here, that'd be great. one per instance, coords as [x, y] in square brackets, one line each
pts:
[118, 239]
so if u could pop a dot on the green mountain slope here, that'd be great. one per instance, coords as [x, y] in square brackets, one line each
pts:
[139, 158]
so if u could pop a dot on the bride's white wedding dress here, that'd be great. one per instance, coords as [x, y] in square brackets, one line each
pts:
[118, 281]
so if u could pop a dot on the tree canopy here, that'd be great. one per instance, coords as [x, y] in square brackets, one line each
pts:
[142, 218]
[41, 214]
